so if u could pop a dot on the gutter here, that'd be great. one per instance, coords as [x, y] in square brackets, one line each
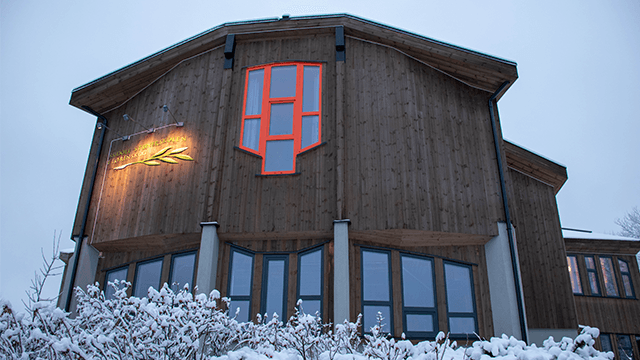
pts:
[80, 239]
[505, 202]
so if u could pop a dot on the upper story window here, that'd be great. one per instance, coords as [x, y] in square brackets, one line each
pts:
[606, 275]
[281, 113]
[574, 274]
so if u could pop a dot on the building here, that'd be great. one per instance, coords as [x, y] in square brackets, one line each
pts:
[604, 279]
[353, 165]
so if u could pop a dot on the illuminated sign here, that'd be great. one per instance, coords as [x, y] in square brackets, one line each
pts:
[172, 154]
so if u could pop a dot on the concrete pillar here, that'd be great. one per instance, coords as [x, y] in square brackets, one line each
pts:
[86, 274]
[208, 257]
[341, 288]
[506, 319]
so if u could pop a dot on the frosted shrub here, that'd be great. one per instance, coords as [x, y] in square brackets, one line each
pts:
[168, 325]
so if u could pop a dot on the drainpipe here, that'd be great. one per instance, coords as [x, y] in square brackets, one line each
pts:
[86, 210]
[505, 202]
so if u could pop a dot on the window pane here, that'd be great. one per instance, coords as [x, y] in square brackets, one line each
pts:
[609, 276]
[279, 156]
[147, 275]
[311, 88]
[251, 134]
[419, 322]
[458, 283]
[623, 266]
[593, 283]
[574, 275]
[625, 349]
[375, 276]
[417, 282]
[310, 127]
[254, 92]
[113, 275]
[310, 274]
[275, 288]
[283, 81]
[462, 325]
[243, 315]
[628, 290]
[591, 264]
[605, 341]
[311, 307]
[241, 266]
[281, 119]
[182, 269]
[369, 317]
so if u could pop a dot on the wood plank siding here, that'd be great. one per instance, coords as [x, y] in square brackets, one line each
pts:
[613, 315]
[418, 152]
[545, 279]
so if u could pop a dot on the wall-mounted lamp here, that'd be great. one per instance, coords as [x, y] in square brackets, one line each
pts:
[127, 118]
[165, 108]
[101, 125]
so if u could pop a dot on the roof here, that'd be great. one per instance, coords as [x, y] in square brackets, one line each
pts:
[585, 241]
[587, 234]
[536, 166]
[476, 69]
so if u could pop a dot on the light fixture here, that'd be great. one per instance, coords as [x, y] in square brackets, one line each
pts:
[101, 125]
[127, 118]
[165, 108]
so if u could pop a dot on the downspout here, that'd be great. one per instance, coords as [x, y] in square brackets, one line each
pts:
[86, 211]
[505, 202]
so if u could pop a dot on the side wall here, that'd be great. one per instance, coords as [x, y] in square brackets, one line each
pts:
[545, 280]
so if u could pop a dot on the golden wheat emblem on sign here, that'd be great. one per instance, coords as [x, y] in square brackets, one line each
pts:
[161, 156]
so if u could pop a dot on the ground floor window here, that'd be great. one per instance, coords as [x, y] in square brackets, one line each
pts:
[240, 276]
[461, 308]
[622, 345]
[310, 280]
[389, 273]
[274, 285]
[376, 289]
[418, 296]
[267, 282]
[121, 274]
[147, 273]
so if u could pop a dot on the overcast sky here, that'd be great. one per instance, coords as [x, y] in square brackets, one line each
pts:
[577, 100]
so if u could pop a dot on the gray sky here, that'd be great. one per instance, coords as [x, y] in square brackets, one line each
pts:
[576, 102]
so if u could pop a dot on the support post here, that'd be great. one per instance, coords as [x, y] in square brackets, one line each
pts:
[341, 288]
[502, 287]
[85, 275]
[208, 257]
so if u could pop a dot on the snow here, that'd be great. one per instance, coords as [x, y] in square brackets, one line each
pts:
[586, 234]
[166, 325]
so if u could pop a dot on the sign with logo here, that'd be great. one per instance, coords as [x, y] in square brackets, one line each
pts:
[168, 150]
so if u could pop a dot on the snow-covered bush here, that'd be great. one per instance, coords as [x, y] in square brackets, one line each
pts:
[168, 325]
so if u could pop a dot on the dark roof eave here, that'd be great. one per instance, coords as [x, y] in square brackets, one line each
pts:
[131, 66]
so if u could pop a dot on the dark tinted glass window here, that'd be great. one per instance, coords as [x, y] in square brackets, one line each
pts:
[147, 275]
[112, 276]
[182, 271]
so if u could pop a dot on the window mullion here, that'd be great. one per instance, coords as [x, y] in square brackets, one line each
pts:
[297, 112]
[266, 114]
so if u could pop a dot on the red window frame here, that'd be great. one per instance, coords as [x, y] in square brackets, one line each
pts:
[265, 113]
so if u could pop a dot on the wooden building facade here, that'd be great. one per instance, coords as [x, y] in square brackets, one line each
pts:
[352, 165]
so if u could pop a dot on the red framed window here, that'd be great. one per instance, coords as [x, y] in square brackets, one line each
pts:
[281, 113]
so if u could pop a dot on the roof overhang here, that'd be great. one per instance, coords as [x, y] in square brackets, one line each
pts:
[471, 67]
[535, 166]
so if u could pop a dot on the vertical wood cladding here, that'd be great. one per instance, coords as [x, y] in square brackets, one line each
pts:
[612, 315]
[418, 151]
[545, 279]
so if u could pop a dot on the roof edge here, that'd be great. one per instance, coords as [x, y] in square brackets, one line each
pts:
[304, 17]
